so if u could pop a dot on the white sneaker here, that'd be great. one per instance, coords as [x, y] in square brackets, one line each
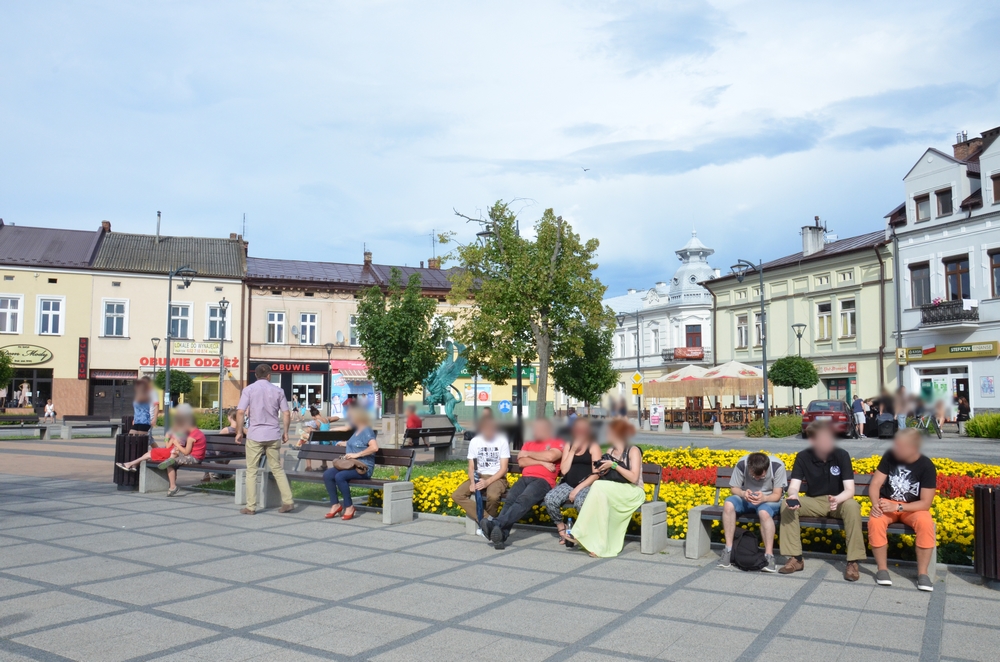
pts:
[479, 532]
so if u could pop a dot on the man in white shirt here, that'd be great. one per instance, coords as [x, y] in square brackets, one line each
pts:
[489, 453]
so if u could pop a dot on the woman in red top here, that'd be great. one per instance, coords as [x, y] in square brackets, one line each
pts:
[184, 444]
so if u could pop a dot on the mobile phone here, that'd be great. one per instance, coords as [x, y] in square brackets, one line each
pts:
[792, 503]
[598, 463]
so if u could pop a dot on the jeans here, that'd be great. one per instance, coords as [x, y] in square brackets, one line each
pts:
[337, 479]
[527, 493]
[901, 421]
[559, 495]
[743, 506]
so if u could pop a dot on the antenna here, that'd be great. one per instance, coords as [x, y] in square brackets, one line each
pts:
[433, 248]
[157, 227]
[244, 225]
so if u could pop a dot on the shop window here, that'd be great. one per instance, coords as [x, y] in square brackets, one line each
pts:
[836, 389]
[920, 284]
[180, 321]
[115, 320]
[276, 328]
[742, 332]
[218, 322]
[10, 313]
[692, 335]
[848, 319]
[50, 317]
[824, 330]
[353, 328]
[307, 328]
[956, 277]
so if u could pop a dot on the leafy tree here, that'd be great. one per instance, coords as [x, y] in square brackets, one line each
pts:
[6, 369]
[794, 371]
[532, 297]
[589, 375]
[180, 382]
[401, 341]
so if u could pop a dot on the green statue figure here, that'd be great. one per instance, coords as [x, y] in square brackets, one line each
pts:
[439, 383]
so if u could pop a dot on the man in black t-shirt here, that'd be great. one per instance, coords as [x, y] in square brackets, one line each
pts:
[829, 484]
[902, 490]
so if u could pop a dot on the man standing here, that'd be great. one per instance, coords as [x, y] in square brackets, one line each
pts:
[858, 408]
[829, 478]
[263, 401]
[538, 461]
[758, 483]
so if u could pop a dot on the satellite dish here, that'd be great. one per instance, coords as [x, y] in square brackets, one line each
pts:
[340, 337]
[295, 330]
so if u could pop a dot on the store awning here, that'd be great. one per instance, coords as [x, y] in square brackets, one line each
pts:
[352, 371]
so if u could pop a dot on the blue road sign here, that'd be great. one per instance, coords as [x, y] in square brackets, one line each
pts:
[505, 406]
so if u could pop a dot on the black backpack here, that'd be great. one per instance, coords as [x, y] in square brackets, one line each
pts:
[747, 554]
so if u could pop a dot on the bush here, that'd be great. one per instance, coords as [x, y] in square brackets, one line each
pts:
[203, 419]
[983, 425]
[785, 425]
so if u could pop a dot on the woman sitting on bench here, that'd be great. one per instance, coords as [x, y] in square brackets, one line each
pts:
[184, 444]
[361, 449]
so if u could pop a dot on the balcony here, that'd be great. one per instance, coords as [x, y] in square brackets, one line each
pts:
[687, 355]
[959, 314]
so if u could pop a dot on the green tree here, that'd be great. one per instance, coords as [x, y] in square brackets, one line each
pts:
[180, 382]
[401, 341]
[794, 371]
[589, 375]
[532, 297]
[6, 369]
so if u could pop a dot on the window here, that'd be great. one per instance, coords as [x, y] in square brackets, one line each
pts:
[848, 319]
[944, 206]
[635, 343]
[692, 335]
[741, 294]
[276, 328]
[845, 277]
[621, 346]
[353, 335]
[920, 285]
[10, 313]
[758, 330]
[956, 277]
[923, 203]
[996, 188]
[654, 338]
[994, 270]
[823, 330]
[823, 280]
[742, 332]
[307, 328]
[50, 312]
[218, 324]
[115, 319]
[180, 321]
[756, 293]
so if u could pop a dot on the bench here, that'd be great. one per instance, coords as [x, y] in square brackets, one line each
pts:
[87, 423]
[653, 528]
[444, 439]
[27, 423]
[397, 495]
[19, 418]
[700, 518]
[220, 451]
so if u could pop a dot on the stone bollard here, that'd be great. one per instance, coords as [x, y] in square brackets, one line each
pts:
[686, 428]
[397, 502]
[717, 429]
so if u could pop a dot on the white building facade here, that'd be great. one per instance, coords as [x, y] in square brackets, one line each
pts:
[947, 234]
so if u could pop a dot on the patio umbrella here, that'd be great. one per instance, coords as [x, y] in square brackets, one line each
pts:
[678, 384]
[733, 378]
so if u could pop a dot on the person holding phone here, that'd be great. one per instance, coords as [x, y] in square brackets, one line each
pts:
[577, 468]
[758, 483]
[828, 475]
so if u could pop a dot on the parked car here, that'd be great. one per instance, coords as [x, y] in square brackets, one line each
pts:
[834, 412]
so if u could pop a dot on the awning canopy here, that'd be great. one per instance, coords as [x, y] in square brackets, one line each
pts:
[676, 384]
[351, 370]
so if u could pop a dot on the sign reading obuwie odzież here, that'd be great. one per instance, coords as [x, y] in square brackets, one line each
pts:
[27, 354]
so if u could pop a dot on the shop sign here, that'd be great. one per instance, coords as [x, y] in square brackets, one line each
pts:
[484, 395]
[27, 354]
[681, 353]
[837, 368]
[945, 352]
[83, 354]
[191, 347]
[291, 366]
[114, 374]
[188, 362]
[528, 373]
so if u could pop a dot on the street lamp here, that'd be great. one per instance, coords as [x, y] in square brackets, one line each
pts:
[799, 329]
[156, 343]
[186, 274]
[620, 318]
[329, 377]
[223, 307]
[740, 270]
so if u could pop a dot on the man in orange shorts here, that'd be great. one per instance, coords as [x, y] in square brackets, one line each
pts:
[902, 490]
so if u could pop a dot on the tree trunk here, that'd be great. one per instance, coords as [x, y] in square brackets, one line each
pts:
[397, 442]
[543, 377]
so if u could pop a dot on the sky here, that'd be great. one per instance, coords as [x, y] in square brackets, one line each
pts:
[335, 126]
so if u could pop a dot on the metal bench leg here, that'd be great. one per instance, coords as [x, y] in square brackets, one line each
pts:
[699, 539]
[653, 527]
[152, 479]
[397, 502]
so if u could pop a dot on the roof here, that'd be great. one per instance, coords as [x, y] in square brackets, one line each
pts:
[834, 248]
[973, 201]
[143, 253]
[304, 271]
[47, 247]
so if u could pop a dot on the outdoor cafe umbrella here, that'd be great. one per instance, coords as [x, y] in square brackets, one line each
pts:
[733, 378]
[678, 384]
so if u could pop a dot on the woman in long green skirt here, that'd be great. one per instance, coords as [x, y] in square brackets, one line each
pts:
[614, 497]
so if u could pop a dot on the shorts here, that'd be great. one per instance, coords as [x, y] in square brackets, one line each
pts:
[159, 454]
[859, 417]
[743, 506]
[187, 459]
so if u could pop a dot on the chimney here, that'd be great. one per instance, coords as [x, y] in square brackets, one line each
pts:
[157, 228]
[433, 263]
[106, 226]
[421, 264]
[631, 290]
[812, 238]
[368, 258]
[964, 147]
[234, 236]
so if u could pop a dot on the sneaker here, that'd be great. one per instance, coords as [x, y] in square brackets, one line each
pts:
[882, 578]
[247, 511]
[479, 532]
[496, 537]
[485, 527]
[286, 508]
[771, 565]
[851, 572]
[924, 583]
[725, 559]
[792, 565]
[166, 464]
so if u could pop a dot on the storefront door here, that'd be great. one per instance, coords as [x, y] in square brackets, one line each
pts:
[39, 389]
[838, 389]
[110, 398]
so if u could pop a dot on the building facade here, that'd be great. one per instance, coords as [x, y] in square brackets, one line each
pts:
[841, 291]
[947, 233]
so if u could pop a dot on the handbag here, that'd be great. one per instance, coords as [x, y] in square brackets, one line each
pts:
[343, 464]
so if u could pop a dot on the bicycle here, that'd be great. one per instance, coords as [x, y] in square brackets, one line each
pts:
[926, 422]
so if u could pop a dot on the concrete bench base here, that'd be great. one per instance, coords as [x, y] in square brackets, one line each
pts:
[268, 494]
[67, 429]
[654, 527]
[397, 502]
[152, 479]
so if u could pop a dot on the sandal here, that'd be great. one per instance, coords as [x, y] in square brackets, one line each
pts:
[354, 512]
[561, 530]
[333, 513]
[121, 465]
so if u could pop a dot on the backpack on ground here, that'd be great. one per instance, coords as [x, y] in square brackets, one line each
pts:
[747, 554]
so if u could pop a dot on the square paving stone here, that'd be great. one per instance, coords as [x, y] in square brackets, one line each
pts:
[505, 581]
[114, 638]
[12, 522]
[77, 570]
[473, 549]
[406, 566]
[745, 611]
[249, 568]
[152, 588]
[333, 630]
[49, 531]
[321, 553]
[603, 593]
[331, 583]
[42, 610]
[820, 623]
[12, 556]
[437, 528]
[661, 574]
[785, 649]
[542, 560]
[239, 607]
[970, 643]
[645, 637]
[238, 649]
[427, 601]
[969, 611]
[561, 623]
[315, 530]
[136, 521]
[689, 605]
[705, 642]
[112, 541]
[388, 540]
[9, 587]
[175, 554]
[452, 644]
[251, 541]
[192, 531]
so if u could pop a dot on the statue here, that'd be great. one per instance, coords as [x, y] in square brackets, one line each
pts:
[439, 383]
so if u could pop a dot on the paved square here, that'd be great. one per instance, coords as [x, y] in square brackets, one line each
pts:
[107, 575]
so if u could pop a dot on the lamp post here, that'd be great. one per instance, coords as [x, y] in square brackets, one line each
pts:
[799, 329]
[223, 307]
[329, 378]
[186, 274]
[620, 318]
[740, 270]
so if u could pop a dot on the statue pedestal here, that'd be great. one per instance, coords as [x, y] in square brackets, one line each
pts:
[387, 436]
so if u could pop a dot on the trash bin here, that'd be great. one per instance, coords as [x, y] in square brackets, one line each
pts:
[986, 503]
[127, 448]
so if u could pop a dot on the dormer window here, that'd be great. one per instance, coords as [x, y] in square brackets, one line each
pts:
[923, 203]
[944, 204]
[996, 188]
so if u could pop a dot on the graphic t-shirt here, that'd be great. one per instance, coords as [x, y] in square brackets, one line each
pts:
[774, 477]
[537, 470]
[488, 454]
[905, 481]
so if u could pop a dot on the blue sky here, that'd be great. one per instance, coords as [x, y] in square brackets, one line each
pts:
[334, 125]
